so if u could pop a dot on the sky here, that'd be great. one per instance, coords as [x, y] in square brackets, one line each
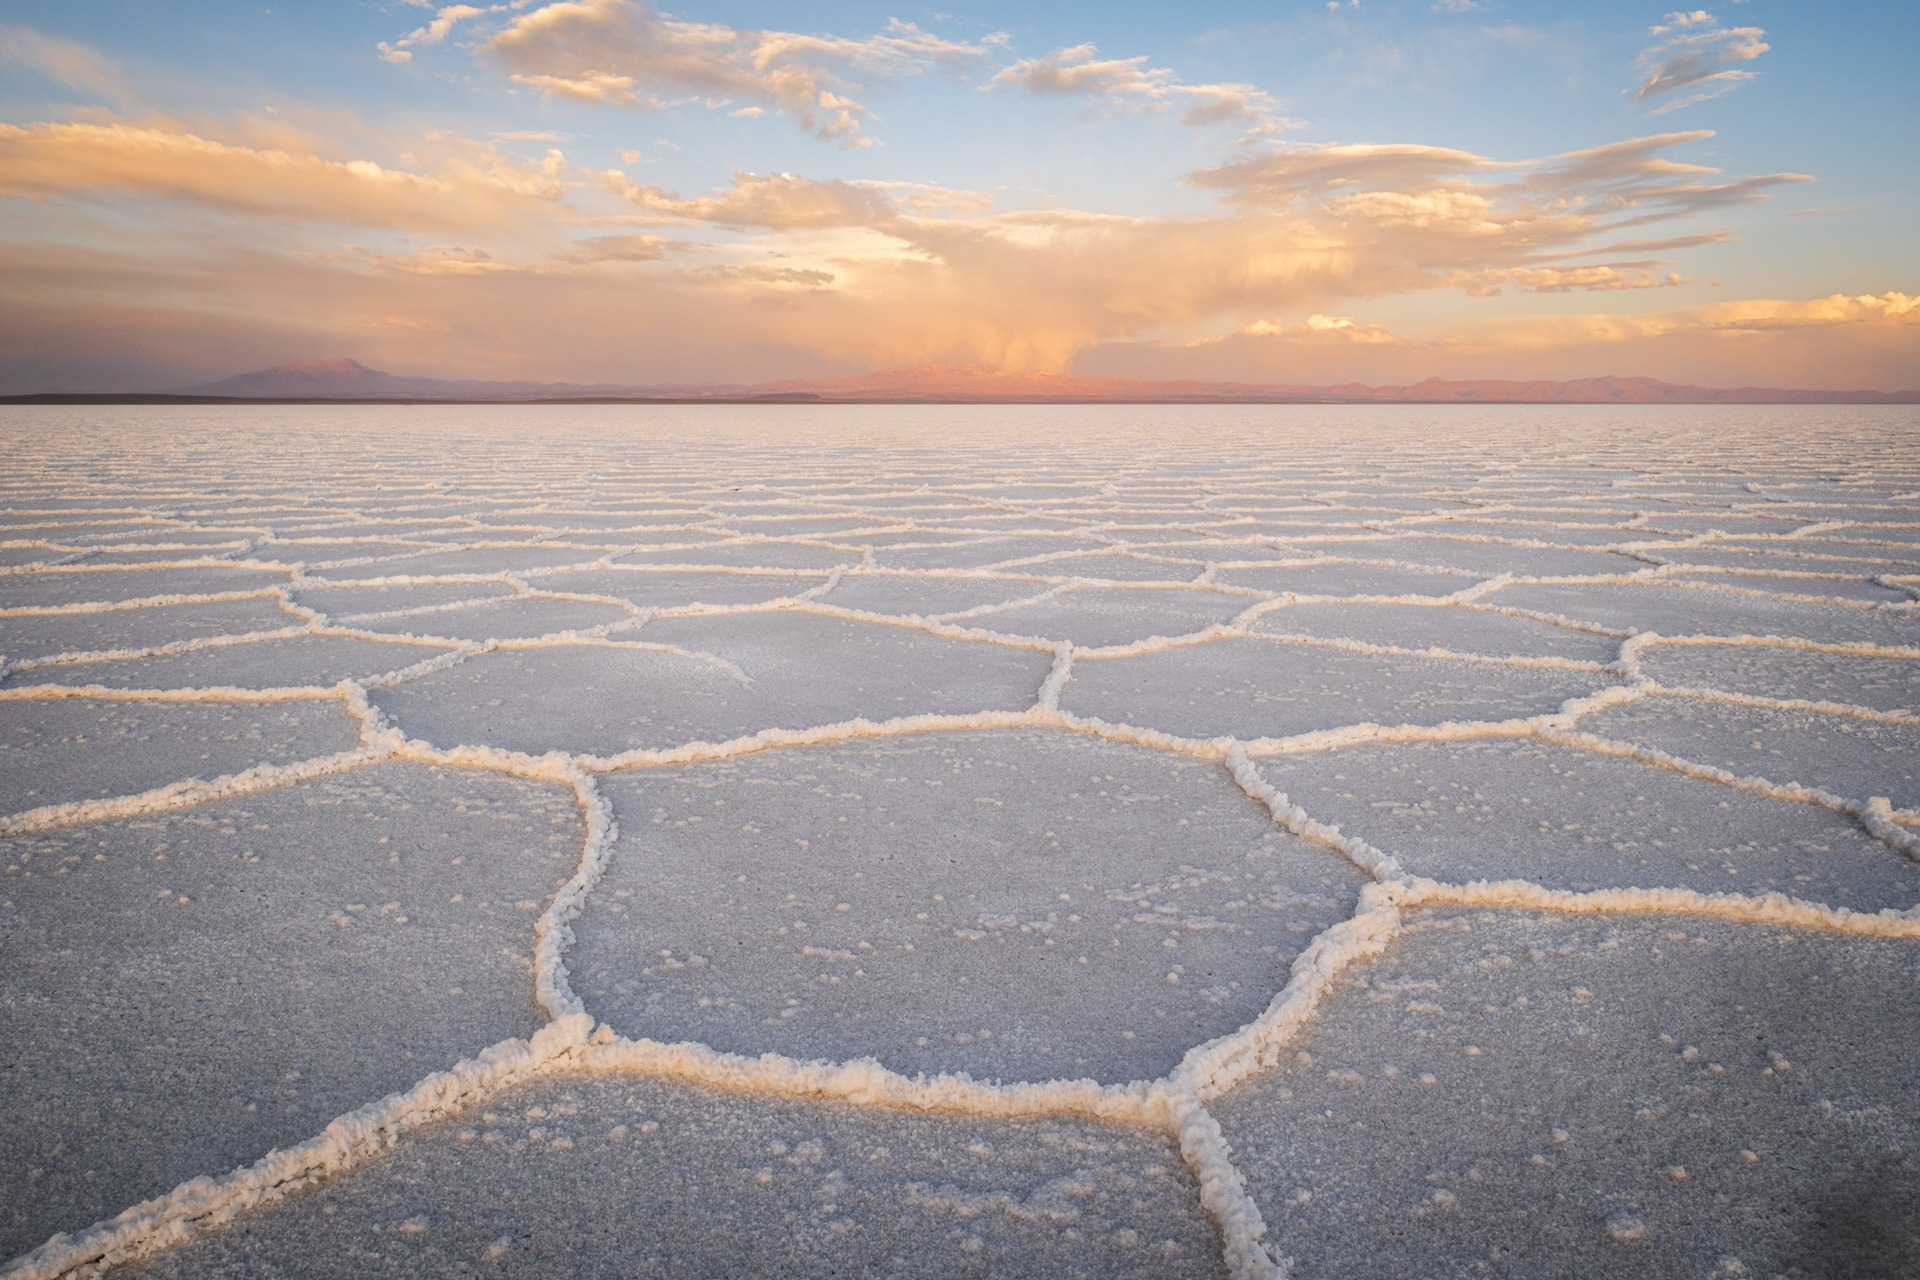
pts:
[1278, 191]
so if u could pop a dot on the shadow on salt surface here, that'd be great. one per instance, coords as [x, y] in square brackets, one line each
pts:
[654, 589]
[928, 597]
[551, 1178]
[1855, 759]
[1522, 1094]
[228, 979]
[805, 670]
[53, 752]
[1885, 684]
[1683, 611]
[346, 602]
[71, 586]
[43, 635]
[1493, 635]
[502, 620]
[1018, 905]
[296, 661]
[747, 555]
[1569, 819]
[1094, 617]
[1262, 688]
[1342, 579]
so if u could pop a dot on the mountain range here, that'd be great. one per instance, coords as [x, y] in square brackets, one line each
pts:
[343, 379]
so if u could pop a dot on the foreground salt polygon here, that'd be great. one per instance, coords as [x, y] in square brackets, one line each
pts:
[961, 856]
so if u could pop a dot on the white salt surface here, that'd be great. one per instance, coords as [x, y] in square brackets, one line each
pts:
[1684, 609]
[183, 992]
[1528, 1094]
[1844, 755]
[39, 636]
[1018, 793]
[298, 661]
[1882, 684]
[1496, 635]
[1569, 819]
[1018, 906]
[60, 752]
[1251, 689]
[548, 1178]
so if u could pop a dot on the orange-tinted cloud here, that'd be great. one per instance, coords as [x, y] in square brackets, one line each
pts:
[481, 187]
[1838, 342]
[487, 264]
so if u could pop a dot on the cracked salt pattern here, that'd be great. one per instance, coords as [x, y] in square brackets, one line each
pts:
[1005, 842]
[1595, 1097]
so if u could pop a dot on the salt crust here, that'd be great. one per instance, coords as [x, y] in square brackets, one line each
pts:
[1188, 549]
[1606, 1097]
[548, 1178]
[158, 947]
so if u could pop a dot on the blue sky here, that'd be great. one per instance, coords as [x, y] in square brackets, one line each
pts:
[974, 183]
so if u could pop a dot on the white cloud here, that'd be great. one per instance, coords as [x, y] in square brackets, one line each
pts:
[1699, 58]
[1128, 84]
[444, 21]
[621, 53]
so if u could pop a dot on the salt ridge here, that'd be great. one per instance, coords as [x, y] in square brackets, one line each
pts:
[1176, 1103]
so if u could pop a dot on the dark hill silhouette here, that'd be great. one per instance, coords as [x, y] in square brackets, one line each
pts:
[345, 379]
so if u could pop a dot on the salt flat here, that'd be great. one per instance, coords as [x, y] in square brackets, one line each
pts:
[936, 841]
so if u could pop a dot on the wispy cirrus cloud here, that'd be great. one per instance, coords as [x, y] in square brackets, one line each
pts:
[786, 202]
[1699, 58]
[74, 65]
[1130, 85]
[622, 53]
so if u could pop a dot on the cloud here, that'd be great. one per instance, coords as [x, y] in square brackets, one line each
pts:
[444, 21]
[1453, 201]
[70, 64]
[779, 201]
[822, 273]
[1699, 57]
[475, 185]
[620, 249]
[622, 53]
[1838, 342]
[427, 260]
[1128, 84]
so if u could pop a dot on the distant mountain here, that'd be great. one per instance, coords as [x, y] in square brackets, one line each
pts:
[350, 380]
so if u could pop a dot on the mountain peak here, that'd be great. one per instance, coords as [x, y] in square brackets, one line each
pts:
[338, 365]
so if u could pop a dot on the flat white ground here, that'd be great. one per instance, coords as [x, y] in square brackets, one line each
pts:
[944, 841]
